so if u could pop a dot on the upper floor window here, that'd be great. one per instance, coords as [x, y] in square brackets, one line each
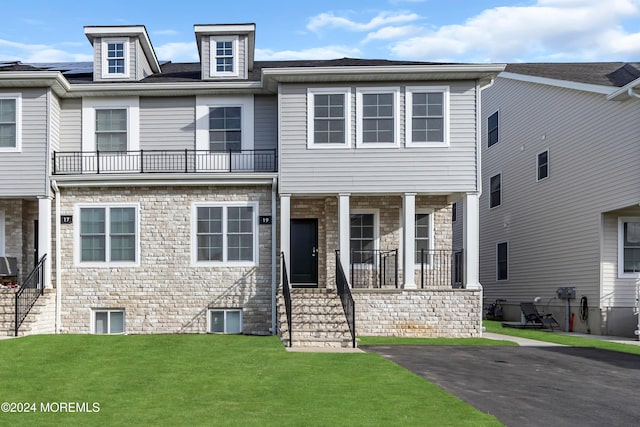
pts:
[115, 61]
[629, 247]
[495, 193]
[378, 117]
[328, 117]
[111, 129]
[542, 165]
[225, 129]
[426, 115]
[224, 56]
[10, 107]
[492, 129]
[225, 233]
[108, 234]
[502, 261]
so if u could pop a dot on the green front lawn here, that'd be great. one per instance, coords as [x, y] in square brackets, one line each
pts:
[215, 380]
[548, 336]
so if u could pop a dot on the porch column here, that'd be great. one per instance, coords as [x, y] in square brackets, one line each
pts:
[472, 241]
[285, 229]
[409, 227]
[344, 231]
[44, 238]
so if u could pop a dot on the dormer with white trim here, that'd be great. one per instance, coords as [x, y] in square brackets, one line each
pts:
[121, 53]
[226, 51]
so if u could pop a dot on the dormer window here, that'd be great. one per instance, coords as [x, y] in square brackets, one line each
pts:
[224, 56]
[114, 58]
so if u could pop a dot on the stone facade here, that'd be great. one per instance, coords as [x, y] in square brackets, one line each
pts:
[19, 217]
[166, 292]
[454, 313]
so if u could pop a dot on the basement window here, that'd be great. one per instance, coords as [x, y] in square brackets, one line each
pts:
[225, 321]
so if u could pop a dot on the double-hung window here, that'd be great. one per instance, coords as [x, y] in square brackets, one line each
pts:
[111, 129]
[225, 128]
[492, 129]
[542, 165]
[10, 122]
[629, 247]
[362, 238]
[108, 234]
[495, 191]
[225, 233]
[114, 58]
[426, 116]
[378, 117]
[328, 117]
[502, 261]
[224, 56]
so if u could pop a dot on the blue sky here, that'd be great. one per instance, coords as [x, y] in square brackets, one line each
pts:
[424, 30]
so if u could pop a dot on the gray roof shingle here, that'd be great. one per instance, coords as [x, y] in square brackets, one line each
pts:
[614, 74]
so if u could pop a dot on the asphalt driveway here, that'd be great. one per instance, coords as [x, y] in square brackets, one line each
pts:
[532, 386]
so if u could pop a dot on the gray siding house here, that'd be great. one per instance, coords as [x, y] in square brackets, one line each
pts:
[239, 196]
[561, 180]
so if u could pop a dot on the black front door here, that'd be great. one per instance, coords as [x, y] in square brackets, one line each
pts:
[304, 252]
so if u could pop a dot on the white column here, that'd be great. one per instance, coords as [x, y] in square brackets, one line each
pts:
[472, 241]
[344, 231]
[409, 238]
[44, 237]
[285, 228]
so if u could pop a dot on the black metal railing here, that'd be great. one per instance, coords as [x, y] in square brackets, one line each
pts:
[286, 293]
[344, 292]
[28, 293]
[375, 268]
[441, 268]
[163, 161]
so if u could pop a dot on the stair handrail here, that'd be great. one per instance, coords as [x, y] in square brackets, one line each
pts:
[348, 304]
[286, 293]
[28, 293]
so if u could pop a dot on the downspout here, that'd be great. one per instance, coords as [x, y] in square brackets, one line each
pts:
[56, 224]
[274, 258]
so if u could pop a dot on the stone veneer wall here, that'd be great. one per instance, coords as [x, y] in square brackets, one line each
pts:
[418, 313]
[13, 231]
[165, 293]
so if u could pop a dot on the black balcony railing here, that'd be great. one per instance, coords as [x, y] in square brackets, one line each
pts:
[28, 293]
[441, 268]
[344, 292]
[375, 268]
[163, 161]
[286, 293]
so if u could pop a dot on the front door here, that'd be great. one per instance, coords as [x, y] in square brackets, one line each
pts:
[304, 252]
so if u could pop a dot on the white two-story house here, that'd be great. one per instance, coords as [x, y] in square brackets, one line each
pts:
[172, 197]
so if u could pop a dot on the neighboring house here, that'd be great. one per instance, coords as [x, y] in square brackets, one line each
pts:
[168, 195]
[561, 191]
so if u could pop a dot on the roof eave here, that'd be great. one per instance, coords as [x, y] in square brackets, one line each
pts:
[623, 92]
[52, 79]
[567, 84]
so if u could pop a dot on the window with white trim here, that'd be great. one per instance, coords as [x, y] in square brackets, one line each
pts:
[110, 125]
[225, 233]
[111, 129]
[107, 235]
[542, 165]
[495, 191]
[329, 110]
[362, 238]
[629, 247]
[378, 116]
[2, 233]
[502, 261]
[108, 321]
[10, 122]
[492, 129]
[424, 231]
[224, 123]
[225, 321]
[115, 58]
[224, 56]
[426, 119]
[225, 129]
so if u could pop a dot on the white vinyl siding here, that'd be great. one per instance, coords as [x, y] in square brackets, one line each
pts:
[167, 123]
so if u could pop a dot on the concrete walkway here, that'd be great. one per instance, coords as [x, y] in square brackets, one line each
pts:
[526, 342]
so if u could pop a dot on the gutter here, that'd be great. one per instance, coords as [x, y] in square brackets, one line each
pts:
[626, 90]
[58, 326]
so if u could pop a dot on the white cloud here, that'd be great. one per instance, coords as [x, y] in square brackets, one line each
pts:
[549, 30]
[30, 53]
[389, 33]
[327, 52]
[177, 51]
[329, 20]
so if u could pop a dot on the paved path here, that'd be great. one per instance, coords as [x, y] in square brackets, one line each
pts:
[533, 385]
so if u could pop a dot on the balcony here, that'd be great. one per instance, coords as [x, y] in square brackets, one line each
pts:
[164, 161]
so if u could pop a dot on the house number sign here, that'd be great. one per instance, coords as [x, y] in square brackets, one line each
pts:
[66, 219]
[265, 219]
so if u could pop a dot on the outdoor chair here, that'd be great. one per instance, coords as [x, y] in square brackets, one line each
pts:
[534, 319]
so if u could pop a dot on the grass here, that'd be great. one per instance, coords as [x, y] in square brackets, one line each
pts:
[433, 341]
[541, 335]
[216, 380]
